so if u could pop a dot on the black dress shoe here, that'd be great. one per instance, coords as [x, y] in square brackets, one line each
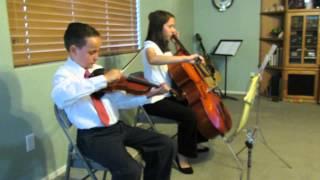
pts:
[203, 149]
[187, 170]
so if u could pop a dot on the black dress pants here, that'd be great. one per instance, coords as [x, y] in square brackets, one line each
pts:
[107, 147]
[188, 134]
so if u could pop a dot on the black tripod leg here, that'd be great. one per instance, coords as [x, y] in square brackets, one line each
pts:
[264, 142]
[249, 146]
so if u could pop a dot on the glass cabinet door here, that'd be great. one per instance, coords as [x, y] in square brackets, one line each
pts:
[311, 39]
[303, 40]
[296, 4]
[296, 33]
[303, 4]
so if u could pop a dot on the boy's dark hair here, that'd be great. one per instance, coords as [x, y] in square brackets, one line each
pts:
[156, 21]
[77, 33]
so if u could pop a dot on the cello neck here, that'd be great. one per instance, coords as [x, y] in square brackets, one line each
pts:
[204, 52]
[198, 65]
[182, 50]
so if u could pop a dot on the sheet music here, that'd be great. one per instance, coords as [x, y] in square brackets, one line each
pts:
[228, 47]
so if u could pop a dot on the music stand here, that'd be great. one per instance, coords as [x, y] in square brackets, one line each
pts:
[249, 99]
[226, 48]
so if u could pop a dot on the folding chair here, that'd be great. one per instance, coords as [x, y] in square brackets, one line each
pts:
[142, 117]
[75, 158]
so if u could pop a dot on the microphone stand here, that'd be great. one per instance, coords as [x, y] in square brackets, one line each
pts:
[249, 144]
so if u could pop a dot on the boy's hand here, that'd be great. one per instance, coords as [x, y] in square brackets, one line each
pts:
[113, 75]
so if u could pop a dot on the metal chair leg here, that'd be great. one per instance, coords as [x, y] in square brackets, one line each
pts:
[104, 175]
[67, 174]
[91, 172]
[68, 168]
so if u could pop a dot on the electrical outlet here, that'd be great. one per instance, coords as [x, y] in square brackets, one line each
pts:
[30, 143]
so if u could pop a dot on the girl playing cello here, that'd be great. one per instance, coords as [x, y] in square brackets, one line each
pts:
[156, 57]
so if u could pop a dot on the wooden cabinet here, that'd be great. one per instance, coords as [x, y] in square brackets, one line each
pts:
[300, 85]
[319, 87]
[293, 25]
[301, 58]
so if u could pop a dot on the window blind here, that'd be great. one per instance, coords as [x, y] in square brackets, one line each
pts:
[37, 27]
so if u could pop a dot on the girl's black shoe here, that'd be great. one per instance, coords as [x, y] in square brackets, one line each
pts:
[187, 170]
[203, 149]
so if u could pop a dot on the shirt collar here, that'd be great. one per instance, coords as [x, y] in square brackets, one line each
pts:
[74, 67]
[77, 69]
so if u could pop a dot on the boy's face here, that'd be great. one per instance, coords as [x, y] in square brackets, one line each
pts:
[87, 55]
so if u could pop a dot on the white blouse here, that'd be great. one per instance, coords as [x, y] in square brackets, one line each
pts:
[156, 74]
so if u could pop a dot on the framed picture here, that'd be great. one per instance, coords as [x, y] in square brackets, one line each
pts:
[227, 47]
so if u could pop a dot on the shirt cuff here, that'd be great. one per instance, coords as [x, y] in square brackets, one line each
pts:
[99, 82]
[156, 98]
[143, 100]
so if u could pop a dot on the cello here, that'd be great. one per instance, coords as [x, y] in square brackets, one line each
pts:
[213, 71]
[212, 117]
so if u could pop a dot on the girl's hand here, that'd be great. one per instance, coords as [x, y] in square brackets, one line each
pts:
[164, 88]
[195, 57]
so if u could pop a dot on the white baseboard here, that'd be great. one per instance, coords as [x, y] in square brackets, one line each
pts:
[55, 173]
[236, 92]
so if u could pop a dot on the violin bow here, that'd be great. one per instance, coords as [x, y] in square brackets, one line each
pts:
[125, 67]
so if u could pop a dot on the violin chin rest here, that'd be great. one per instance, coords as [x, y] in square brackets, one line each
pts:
[97, 72]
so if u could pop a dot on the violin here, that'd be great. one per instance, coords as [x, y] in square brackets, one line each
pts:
[132, 84]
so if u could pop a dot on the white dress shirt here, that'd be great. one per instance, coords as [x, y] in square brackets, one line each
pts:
[71, 92]
[156, 74]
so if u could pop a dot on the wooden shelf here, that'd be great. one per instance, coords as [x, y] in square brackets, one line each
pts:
[273, 13]
[300, 49]
[303, 10]
[276, 68]
[274, 39]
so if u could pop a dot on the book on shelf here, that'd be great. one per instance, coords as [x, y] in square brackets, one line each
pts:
[275, 60]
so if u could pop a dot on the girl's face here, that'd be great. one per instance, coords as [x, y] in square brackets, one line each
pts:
[169, 29]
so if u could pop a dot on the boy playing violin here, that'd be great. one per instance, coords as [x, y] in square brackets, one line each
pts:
[101, 136]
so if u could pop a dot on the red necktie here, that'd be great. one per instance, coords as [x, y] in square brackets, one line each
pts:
[98, 105]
